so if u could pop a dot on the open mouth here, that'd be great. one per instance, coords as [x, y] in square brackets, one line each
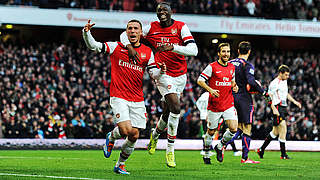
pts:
[163, 17]
[225, 58]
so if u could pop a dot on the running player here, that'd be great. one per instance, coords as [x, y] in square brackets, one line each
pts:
[202, 105]
[126, 95]
[173, 42]
[221, 82]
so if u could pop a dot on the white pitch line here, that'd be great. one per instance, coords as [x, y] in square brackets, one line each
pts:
[44, 176]
[32, 157]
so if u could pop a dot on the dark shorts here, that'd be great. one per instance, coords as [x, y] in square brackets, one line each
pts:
[277, 119]
[245, 112]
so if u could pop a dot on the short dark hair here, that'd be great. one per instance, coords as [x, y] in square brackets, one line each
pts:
[284, 68]
[244, 47]
[134, 20]
[164, 3]
[222, 45]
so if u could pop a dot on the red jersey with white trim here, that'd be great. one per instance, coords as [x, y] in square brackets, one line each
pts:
[219, 77]
[178, 33]
[126, 78]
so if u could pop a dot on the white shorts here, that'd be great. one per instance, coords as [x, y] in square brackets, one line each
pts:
[203, 108]
[167, 84]
[203, 114]
[124, 110]
[215, 117]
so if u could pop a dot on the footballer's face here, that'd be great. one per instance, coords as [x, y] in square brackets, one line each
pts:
[284, 76]
[224, 53]
[164, 13]
[134, 32]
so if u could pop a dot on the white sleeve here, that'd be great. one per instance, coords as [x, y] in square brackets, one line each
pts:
[191, 48]
[186, 34]
[91, 43]
[272, 88]
[206, 73]
[110, 47]
[124, 38]
[234, 76]
[203, 99]
[145, 30]
[153, 70]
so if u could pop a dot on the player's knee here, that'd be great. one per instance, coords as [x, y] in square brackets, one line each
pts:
[125, 132]
[133, 135]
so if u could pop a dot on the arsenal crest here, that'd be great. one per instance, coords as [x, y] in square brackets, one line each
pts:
[143, 55]
[174, 31]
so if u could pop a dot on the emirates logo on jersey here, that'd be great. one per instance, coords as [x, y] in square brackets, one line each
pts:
[225, 82]
[130, 66]
[174, 31]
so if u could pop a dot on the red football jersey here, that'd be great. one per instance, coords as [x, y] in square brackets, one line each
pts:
[178, 33]
[219, 77]
[126, 78]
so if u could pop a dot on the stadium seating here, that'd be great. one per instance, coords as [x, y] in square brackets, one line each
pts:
[61, 91]
[296, 9]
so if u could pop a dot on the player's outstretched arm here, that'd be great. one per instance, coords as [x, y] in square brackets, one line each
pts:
[290, 98]
[89, 40]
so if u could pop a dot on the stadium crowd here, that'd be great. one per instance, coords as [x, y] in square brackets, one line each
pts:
[61, 91]
[271, 9]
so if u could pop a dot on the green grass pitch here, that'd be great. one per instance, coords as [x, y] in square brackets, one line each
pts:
[91, 164]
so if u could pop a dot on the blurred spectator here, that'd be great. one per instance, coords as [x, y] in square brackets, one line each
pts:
[251, 6]
[61, 91]
[272, 9]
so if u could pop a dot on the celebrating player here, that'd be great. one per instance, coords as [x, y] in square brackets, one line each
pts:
[126, 95]
[202, 105]
[173, 42]
[278, 90]
[243, 100]
[221, 82]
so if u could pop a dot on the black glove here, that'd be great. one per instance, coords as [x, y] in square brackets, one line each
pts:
[267, 97]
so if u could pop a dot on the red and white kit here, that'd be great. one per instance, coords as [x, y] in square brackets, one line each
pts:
[219, 77]
[126, 93]
[178, 35]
